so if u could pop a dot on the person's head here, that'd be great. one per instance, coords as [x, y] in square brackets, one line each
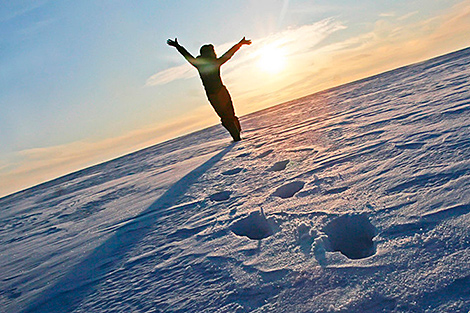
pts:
[207, 51]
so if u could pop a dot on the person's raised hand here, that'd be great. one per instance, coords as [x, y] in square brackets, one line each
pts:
[245, 41]
[173, 43]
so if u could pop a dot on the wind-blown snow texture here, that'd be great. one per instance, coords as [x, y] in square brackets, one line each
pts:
[357, 199]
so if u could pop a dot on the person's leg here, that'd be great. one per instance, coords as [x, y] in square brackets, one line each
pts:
[222, 104]
[232, 128]
[237, 123]
[228, 118]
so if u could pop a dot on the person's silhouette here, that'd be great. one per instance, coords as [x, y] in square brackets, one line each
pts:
[208, 66]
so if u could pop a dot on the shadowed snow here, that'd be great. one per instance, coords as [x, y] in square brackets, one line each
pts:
[351, 235]
[255, 226]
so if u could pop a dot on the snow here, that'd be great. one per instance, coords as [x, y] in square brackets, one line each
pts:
[354, 199]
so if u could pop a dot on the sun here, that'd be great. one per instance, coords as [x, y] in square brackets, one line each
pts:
[272, 60]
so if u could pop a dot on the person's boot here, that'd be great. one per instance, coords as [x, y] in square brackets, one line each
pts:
[232, 128]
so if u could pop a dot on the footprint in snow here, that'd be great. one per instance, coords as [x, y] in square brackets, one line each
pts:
[352, 235]
[220, 196]
[233, 171]
[410, 145]
[255, 226]
[288, 190]
[243, 155]
[279, 166]
[264, 154]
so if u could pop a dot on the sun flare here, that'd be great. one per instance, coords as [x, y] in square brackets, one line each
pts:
[272, 60]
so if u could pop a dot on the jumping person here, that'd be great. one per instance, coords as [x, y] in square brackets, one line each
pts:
[208, 66]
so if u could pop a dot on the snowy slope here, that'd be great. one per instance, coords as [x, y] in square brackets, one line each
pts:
[355, 199]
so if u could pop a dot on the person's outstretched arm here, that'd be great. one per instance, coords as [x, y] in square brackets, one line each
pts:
[182, 50]
[227, 55]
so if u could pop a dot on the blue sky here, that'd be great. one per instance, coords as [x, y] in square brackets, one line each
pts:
[87, 81]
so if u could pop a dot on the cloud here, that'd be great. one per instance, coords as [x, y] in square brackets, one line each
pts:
[171, 74]
[4, 165]
[282, 15]
[36, 27]
[14, 9]
[408, 15]
[453, 28]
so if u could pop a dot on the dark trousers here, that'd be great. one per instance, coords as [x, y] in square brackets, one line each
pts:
[222, 104]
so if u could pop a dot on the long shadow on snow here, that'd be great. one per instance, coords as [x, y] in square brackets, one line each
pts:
[67, 293]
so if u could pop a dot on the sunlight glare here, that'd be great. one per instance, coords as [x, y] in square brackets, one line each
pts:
[272, 59]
